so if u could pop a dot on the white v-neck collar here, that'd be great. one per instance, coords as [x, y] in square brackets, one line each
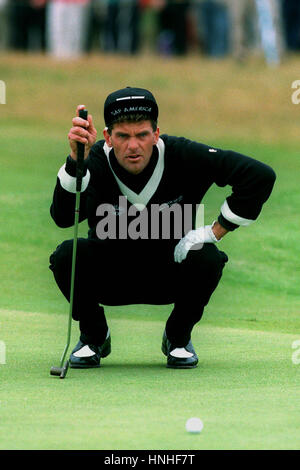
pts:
[141, 200]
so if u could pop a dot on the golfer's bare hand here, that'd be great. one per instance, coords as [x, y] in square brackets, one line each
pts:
[82, 131]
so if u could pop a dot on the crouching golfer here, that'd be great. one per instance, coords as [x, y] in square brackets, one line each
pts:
[140, 193]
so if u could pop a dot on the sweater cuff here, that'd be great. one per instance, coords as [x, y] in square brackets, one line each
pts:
[226, 224]
[71, 166]
[233, 218]
[68, 182]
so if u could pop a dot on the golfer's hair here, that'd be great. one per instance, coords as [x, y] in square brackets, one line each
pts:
[132, 118]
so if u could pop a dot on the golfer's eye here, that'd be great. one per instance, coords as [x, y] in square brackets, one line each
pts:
[122, 136]
[142, 135]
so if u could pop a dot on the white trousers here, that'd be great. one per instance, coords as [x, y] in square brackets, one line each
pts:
[66, 29]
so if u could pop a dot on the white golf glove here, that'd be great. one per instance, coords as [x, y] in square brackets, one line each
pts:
[194, 237]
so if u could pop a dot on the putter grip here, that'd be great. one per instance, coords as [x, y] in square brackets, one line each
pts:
[80, 155]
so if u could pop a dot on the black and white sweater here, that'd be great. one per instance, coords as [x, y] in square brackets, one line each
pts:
[180, 172]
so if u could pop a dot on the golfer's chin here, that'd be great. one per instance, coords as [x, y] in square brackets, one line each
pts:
[135, 165]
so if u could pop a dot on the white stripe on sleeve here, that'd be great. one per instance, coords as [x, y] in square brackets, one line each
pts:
[69, 182]
[231, 217]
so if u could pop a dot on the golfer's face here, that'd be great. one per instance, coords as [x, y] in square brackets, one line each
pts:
[133, 144]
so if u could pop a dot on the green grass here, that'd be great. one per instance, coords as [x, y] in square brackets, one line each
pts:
[246, 387]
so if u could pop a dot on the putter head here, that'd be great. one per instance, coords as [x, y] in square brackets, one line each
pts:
[60, 371]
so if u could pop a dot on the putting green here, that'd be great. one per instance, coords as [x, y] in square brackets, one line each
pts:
[245, 389]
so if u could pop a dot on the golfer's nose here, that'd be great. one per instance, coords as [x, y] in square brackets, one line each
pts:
[133, 144]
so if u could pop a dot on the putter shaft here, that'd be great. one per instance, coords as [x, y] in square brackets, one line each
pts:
[79, 172]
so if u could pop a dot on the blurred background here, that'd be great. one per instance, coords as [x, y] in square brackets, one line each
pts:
[217, 28]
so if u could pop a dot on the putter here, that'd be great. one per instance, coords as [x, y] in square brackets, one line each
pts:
[64, 365]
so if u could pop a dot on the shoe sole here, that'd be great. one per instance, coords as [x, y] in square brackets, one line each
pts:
[86, 366]
[182, 367]
[75, 366]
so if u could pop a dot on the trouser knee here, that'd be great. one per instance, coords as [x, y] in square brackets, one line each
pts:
[60, 259]
[201, 273]
[84, 273]
[208, 260]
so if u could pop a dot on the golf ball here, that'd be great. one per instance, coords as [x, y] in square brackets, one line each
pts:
[194, 425]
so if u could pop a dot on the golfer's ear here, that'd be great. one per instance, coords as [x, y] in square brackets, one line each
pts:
[156, 134]
[107, 137]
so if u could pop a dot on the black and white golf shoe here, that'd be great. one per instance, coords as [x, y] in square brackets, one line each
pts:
[179, 358]
[85, 356]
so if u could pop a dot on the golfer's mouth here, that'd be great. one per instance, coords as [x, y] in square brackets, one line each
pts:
[134, 157]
